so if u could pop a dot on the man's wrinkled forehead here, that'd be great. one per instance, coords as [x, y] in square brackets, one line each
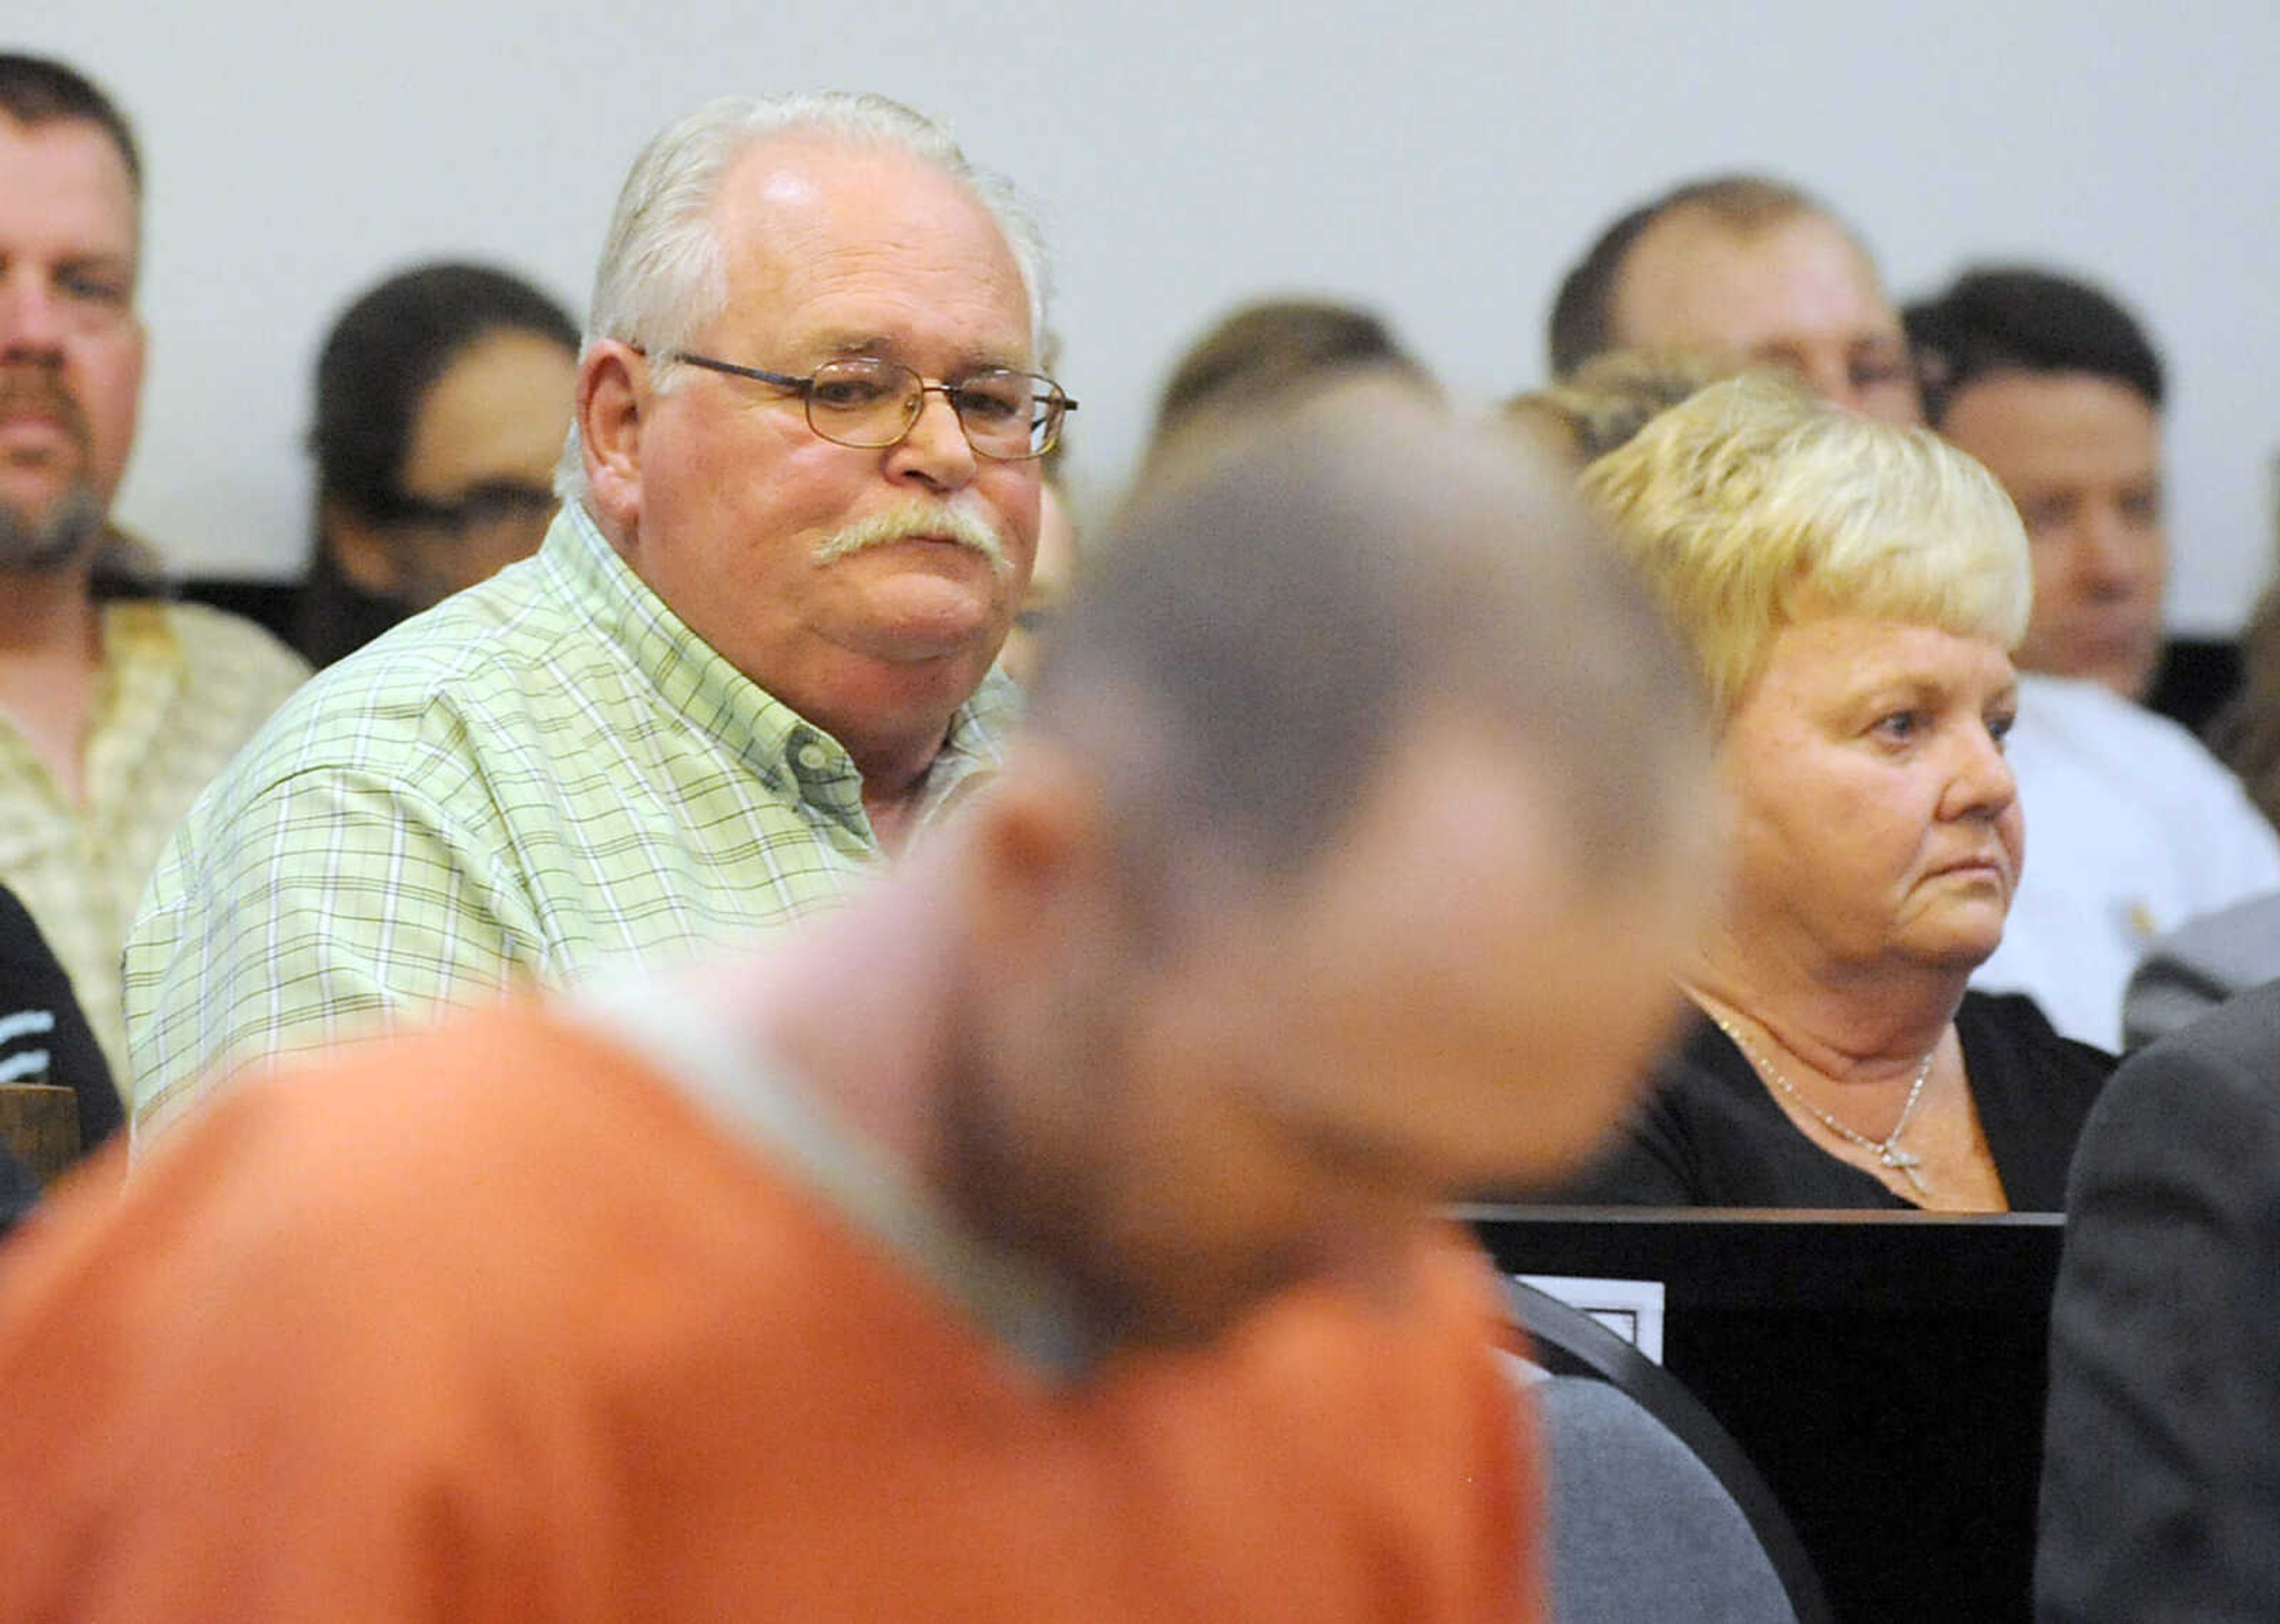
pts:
[801, 198]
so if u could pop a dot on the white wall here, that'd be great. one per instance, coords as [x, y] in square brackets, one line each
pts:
[1447, 167]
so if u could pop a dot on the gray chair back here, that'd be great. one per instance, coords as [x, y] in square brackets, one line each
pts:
[1656, 1513]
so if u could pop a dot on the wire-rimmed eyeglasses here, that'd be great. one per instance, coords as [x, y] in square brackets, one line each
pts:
[872, 403]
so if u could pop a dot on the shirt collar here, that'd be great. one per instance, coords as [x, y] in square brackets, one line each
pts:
[790, 754]
[692, 678]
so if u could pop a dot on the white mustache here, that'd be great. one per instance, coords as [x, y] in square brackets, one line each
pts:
[960, 520]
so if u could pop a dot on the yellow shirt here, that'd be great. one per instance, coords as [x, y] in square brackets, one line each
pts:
[182, 687]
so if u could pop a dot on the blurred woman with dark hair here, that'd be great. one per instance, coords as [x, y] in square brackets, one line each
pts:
[443, 398]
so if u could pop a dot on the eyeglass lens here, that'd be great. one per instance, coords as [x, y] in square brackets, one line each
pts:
[869, 401]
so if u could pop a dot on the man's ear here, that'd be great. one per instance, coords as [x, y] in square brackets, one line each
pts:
[1044, 854]
[361, 550]
[612, 394]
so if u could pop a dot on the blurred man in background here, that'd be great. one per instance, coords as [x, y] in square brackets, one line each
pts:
[1742, 269]
[115, 707]
[1051, 1233]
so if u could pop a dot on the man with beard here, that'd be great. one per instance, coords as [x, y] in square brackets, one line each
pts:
[115, 708]
[1050, 1234]
[753, 658]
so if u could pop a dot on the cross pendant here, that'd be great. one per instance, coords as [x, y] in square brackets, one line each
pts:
[1904, 1161]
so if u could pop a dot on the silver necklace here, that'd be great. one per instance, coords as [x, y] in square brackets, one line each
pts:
[1887, 1150]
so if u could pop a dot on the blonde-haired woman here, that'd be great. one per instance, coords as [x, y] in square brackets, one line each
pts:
[1849, 592]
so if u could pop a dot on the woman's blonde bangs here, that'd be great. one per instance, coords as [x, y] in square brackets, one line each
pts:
[1752, 506]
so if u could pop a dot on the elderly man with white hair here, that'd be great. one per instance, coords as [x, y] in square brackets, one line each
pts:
[752, 658]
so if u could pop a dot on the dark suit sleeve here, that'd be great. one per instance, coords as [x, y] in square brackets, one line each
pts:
[2197, 966]
[2161, 1495]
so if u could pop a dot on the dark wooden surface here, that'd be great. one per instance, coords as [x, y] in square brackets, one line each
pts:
[39, 1124]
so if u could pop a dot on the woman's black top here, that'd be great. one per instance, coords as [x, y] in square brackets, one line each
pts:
[1711, 1133]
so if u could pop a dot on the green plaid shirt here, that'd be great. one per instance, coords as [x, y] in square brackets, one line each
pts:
[182, 687]
[546, 772]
